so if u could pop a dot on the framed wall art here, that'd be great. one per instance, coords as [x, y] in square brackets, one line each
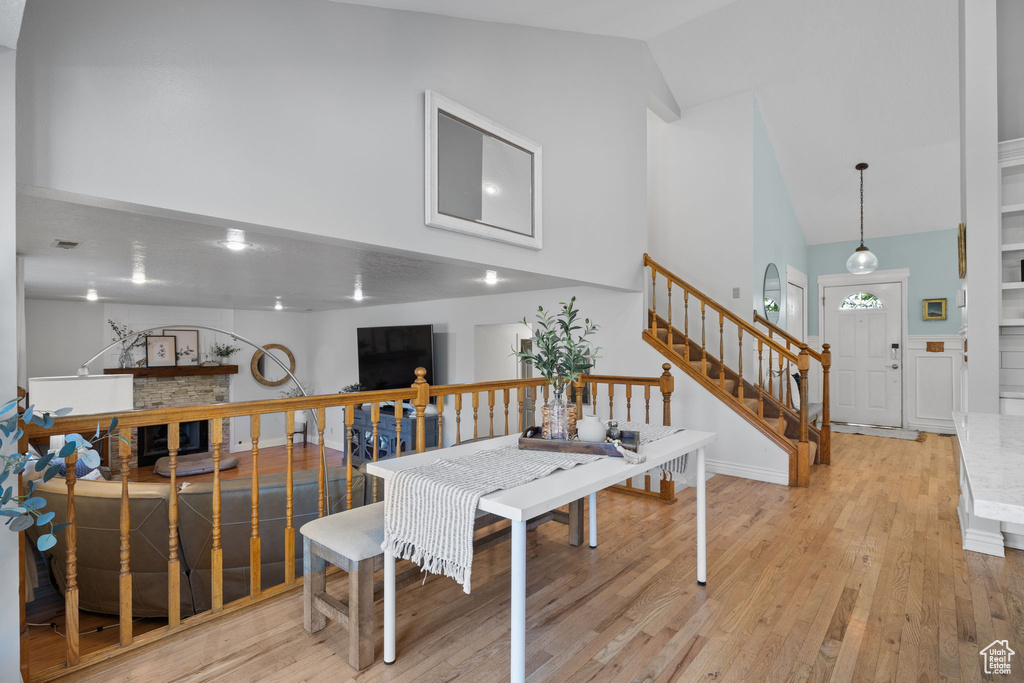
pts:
[160, 351]
[186, 345]
[934, 309]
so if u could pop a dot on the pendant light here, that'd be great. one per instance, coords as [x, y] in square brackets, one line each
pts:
[861, 261]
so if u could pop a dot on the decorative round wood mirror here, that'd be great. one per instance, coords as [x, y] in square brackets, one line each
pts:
[772, 293]
[266, 371]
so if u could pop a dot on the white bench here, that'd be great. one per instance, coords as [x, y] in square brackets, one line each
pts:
[349, 540]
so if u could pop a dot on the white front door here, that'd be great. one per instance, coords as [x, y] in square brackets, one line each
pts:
[863, 323]
[795, 298]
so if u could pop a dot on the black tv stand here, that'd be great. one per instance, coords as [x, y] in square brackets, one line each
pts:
[387, 433]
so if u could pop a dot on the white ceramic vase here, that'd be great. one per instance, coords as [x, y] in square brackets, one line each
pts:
[591, 429]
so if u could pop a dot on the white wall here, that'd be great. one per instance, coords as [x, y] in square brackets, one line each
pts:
[981, 182]
[700, 220]
[492, 346]
[51, 350]
[308, 115]
[9, 602]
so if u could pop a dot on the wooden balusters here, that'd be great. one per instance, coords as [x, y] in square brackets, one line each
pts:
[686, 325]
[760, 379]
[350, 416]
[579, 397]
[771, 373]
[321, 476]
[125, 578]
[289, 528]
[782, 422]
[721, 350]
[703, 341]
[173, 570]
[667, 384]
[611, 401]
[654, 303]
[476, 411]
[458, 419]
[71, 652]
[216, 551]
[490, 409]
[739, 366]
[255, 574]
[375, 423]
[629, 398]
[788, 384]
[440, 421]
[670, 335]
[505, 396]
[647, 404]
[826, 413]
[520, 392]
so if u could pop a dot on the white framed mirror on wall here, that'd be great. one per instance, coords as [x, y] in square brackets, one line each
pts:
[482, 179]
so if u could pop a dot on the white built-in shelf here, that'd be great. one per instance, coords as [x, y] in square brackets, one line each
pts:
[1013, 208]
[1013, 285]
[1015, 246]
[1011, 322]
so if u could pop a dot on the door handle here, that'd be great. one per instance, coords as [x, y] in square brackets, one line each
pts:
[895, 366]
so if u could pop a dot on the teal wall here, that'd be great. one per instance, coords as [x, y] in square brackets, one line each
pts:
[778, 238]
[930, 257]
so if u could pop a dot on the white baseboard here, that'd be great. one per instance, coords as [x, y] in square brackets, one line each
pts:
[749, 472]
[1015, 541]
[976, 540]
[932, 427]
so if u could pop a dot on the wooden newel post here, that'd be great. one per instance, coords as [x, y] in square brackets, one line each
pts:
[826, 412]
[668, 385]
[420, 402]
[803, 447]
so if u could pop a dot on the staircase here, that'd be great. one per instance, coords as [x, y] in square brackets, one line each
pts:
[754, 378]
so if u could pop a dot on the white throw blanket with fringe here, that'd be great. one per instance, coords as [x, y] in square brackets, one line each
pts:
[430, 510]
[649, 433]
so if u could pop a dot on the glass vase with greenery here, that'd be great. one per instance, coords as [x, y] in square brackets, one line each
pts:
[561, 351]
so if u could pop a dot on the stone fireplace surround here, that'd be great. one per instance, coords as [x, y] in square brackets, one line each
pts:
[174, 387]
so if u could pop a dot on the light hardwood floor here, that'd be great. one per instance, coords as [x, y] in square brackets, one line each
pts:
[859, 577]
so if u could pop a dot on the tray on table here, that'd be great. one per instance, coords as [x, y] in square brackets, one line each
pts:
[531, 441]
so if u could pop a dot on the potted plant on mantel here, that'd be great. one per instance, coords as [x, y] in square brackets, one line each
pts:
[562, 351]
[223, 352]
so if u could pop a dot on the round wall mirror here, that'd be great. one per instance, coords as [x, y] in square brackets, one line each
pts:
[772, 293]
[266, 371]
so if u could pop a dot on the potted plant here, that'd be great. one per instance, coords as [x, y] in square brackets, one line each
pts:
[223, 352]
[562, 351]
[123, 335]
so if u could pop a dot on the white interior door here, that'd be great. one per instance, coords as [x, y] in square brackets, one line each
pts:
[864, 326]
[795, 298]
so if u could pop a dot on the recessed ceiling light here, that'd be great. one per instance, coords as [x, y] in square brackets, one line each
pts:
[139, 277]
[491, 188]
[358, 295]
[234, 245]
[91, 295]
[491, 277]
[278, 306]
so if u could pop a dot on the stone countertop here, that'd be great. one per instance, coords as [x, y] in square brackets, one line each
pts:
[992, 448]
[1011, 391]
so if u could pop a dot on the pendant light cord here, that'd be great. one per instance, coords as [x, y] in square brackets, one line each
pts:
[862, 207]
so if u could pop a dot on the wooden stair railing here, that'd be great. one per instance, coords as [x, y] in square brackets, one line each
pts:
[721, 356]
[824, 360]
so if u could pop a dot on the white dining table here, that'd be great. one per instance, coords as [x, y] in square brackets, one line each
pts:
[525, 502]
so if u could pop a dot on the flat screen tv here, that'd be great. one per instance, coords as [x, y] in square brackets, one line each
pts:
[389, 356]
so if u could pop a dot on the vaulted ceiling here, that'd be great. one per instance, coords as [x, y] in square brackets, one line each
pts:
[837, 83]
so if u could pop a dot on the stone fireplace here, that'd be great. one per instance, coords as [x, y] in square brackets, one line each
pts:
[174, 387]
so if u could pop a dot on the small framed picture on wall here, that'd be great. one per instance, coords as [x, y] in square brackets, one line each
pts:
[186, 345]
[160, 351]
[934, 309]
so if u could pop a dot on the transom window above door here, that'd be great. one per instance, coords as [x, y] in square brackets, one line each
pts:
[861, 300]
